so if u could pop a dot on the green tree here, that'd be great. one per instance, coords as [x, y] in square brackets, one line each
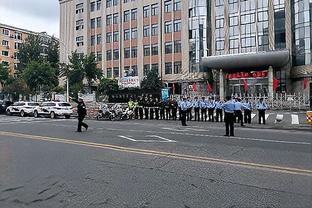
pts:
[151, 81]
[91, 72]
[16, 87]
[107, 85]
[53, 52]
[4, 75]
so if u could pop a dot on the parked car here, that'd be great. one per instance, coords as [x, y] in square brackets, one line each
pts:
[4, 104]
[53, 109]
[22, 108]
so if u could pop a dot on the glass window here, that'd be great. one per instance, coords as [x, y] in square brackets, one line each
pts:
[146, 68]
[146, 31]
[92, 6]
[116, 72]
[177, 25]
[5, 53]
[109, 55]
[168, 27]
[146, 11]
[127, 52]
[146, 50]
[108, 3]
[109, 19]
[92, 40]
[126, 16]
[115, 18]
[168, 68]
[99, 39]
[154, 9]
[98, 4]
[116, 36]
[155, 50]
[134, 52]
[115, 2]
[168, 6]
[108, 37]
[177, 46]
[168, 47]
[109, 73]
[134, 13]
[154, 30]
[99, 56]
[178, 67]
[177, 5]
[127, 34]
[98, 22]
[116, 54]
[134, 33]
[93, 23]
[154, 67]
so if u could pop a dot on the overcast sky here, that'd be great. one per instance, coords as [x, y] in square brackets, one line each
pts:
[34, 15]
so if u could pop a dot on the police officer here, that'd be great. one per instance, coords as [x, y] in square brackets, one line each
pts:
[229, 108]
[184, 109]
[179, 107]
[167, 110]
[219, 111]
[82, 112]
[141, 103]
[146, 107]
[189, 109]
[173, 107]
[261, 107]
[136, 109]
[203, 109]
[151, 107]
[211, 107]
[156, 109]
[196, 108]
[238, 111]
[247, 106]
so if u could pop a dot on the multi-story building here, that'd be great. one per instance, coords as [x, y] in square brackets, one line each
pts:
[130, 37]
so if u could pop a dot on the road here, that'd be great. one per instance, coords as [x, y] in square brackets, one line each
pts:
[143, 164]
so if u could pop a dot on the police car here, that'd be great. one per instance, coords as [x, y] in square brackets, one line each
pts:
[22, 108]
[54, 109]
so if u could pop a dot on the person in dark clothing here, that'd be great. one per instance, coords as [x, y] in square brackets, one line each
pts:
[141, 108]
[157, 109]
[167, 109]
[152, 108]
[162, 109]
[82, 112]
[173, 107]
[146, 107]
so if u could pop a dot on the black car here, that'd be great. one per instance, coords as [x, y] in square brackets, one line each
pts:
[4, 104]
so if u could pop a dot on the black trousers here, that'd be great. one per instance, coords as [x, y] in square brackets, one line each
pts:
[141, 112]
[189, 114]
[204, 114]
[210, 114]
[162, 113]
[247, 116]
[219, 114]
[156, 113]
[174, 113]
[239, 116]
[196, 114]
[146, 112]
[180, 113]
[261, 115]
[167, 113]
[183, 118]
[151, 113]
[81, 123]
[229, 124]
[136, 113]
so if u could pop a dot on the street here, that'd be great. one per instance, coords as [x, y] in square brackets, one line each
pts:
[147, 163]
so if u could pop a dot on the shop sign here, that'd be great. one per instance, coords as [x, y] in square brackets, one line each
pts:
[129, 82]
[243, 75]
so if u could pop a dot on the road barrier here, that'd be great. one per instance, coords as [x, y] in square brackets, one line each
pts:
[309, 117]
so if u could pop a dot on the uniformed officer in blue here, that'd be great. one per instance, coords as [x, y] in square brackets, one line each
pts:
[229, 108]
[211, 107]
[238, 111]
[261, 107]
[184, 109]
[203, 109]
[196, 108]
[247, 106]
[189, 108]
[219, 110]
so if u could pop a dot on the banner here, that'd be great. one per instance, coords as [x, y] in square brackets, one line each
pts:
[165, 94]
[243, 75]
[129, 82]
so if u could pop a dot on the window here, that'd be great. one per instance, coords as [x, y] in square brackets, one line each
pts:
[108, 3]
[146, 31]
[108, 37]
[115, 18]
[99, 56]
[115, 2]
[146, 50]
[155, 50]
[116, 36]
[126, 34]
[5, 53]
[146, 11]
[177, 46]
[154, 9]
[5, 32]
[116, 72]
[177, 5]
[168, 6]
[98, 4]
[133, 71]
[168, 27]
[15, 55]
[109, 73]
[79, 24]
[92, 23]
[126, 16]
[177, 67]
[17, 45]
[127, 52]
[168, 47]
[92, 6]
[168, 68]
[146, 68]
[98, 22]
[134, 13]
[154, 31]
[134, 33]
[92, 40]
[154, 67]
[126, 1]
[116, 54]
[79, 41]
[177, 25]
[79, 8]
[99, 39]
[109, 55]
[134, 52]
[109, 19]
[18, 36]
[5, 42]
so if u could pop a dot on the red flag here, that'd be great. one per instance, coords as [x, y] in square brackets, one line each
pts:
[194, 87]
[305, 83]
[275, 84]
[173, 88]
[209, 87]
[245, 85]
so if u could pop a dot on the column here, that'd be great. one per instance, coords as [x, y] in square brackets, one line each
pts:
[221, 84]
[270, 81]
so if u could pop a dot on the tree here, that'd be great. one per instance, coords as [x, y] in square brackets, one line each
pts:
[4, 75]
[16, 87]
[91, 72]
[151, 81]
[53, 53]
[107, 85]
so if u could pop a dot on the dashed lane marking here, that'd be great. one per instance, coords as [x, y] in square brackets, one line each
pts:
[294, 119]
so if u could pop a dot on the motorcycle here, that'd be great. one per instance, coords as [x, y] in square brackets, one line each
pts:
[104, 113]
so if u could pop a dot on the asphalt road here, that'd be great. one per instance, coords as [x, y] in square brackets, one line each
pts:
[143, 164]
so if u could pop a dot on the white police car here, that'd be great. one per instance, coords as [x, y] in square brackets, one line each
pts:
[22, 108]
[54, 109]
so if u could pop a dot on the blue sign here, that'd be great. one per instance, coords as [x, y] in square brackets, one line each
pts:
[165, 94]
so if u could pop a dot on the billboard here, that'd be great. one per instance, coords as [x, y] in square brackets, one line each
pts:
[129, 82]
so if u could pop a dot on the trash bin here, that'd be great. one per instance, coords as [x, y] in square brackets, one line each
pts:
[309, 117]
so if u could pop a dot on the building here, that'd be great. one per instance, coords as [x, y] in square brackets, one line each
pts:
[130, 37]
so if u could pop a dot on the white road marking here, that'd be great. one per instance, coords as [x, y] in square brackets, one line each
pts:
[150, 140]
[200, 130]
[253, 115]
[127, 138]
[294, 119]
[155, 136]
[173, 129]
[267, 116]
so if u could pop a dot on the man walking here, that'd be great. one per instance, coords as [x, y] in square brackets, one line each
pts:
[261, 107]
[82, 112]
[228, 108]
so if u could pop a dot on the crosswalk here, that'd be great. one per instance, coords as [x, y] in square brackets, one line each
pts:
[17, 119]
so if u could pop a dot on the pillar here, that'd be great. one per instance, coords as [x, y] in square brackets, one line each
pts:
[221, 84]
[270, 81]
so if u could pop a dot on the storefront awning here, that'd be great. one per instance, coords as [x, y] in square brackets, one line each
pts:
[246, 62]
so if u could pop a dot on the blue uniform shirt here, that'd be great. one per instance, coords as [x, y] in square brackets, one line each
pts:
[247, 106]
[184, 105]
[229, 106]
[219, 104]
[238, 105]
[262, 106]
[189, 103]
[196, 103]
[202, 104]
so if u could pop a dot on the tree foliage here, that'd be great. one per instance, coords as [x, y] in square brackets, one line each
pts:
[151, 81]
[53, 53]
[91, 72]
[4, 74]
[17, 86]
[107, 85]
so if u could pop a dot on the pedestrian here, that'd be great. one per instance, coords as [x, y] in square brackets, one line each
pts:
[82, 112]
[238, 111]
[179, 106]
[203, 109]
[184, 109]
[151, 107]
[247, 106]
[219, 111]
[196, 108]
[228, 108]
[162, 109]
[261, 107]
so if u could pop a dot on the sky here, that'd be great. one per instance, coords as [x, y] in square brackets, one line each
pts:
[34, 15]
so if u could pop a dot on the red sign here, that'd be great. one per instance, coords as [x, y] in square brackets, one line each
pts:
[243, 75]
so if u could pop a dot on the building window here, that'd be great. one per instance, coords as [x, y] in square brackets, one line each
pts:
[126, 34]
[108, 37]
[5, 53]
[98, 22]
[5, 42]
[108, 3]
[109, 19]
[93, 23]
[79, 24]
[133, 71]
[17, 45]
[146, 50]
[146, 31]
[134, 14]
[177, 5]
[115, 18]
[168, 68]
[92, 6]
[168, 47]
[127, 52]
[177, 25]
[115, 2]
[154, 31]
[177, 67]
[99, 56]
[79, 8]
[116, 36]
[154, 9]
[126, 16]
[168, 27]
[109, 55]
[154, 68]
[146, 69]
[109, 73]
[116, 72]
[146, 11]
[79, 41]
[116, 54]
[168, 6]
[92, 40]
[5, 32]
[155, 50]
[99, 39]
[134, 52]
[177, 46]
[134, 33]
